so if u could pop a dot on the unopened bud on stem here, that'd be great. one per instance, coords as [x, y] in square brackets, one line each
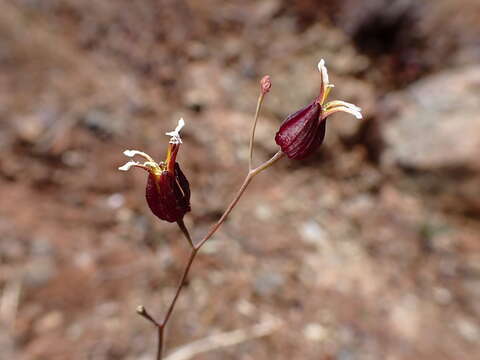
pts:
[265, 84]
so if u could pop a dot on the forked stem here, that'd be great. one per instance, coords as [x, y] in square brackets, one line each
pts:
[181, 283]
[195, 248]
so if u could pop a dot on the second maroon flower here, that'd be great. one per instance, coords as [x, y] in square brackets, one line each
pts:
[304, 131]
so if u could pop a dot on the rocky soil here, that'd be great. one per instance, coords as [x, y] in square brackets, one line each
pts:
[370, 249]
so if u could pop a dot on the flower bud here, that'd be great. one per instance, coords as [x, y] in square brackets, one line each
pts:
[265, 84]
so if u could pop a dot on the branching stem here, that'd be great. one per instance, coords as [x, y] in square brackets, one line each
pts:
[195, 248]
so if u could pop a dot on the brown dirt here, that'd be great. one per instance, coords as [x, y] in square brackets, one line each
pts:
[354, 259]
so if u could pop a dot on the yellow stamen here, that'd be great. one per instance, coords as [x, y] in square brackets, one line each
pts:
[326, 92]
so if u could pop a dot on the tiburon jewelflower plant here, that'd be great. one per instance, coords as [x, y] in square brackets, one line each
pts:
[303, 132]
[168, 190]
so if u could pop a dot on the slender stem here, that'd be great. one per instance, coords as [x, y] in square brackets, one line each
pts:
[185, 232]
[195, 248]
[145, 314]
[278, 155]
[251, 174]
[229, 209]
[265, 86]
[161, 330]
[193, 253]
[254, 126]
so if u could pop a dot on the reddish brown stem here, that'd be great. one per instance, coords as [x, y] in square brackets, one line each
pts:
[195, 248]
[229, 209]
[185, 231]
[161, 329]
[254, 126]
[180, 286]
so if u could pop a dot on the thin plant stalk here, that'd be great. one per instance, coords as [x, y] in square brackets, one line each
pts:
[185, 232]
[254, 126]
[161, 337]
[195, 248]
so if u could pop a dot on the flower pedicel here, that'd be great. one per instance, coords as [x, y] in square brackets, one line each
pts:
[303, 132]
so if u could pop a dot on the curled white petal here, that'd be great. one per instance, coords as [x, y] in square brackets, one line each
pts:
[129, 165]
[336, 103]
[175, 134]
[321, 64]
[323, 70]
[355, 113]
[132, 153]
[346, 109]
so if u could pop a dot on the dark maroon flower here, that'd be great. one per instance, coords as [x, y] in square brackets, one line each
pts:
[303, 132]
[168, 190]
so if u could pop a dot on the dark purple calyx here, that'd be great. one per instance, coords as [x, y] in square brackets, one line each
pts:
[168, 194]
[302, 132]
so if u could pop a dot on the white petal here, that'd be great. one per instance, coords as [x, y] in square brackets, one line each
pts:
[180, 125]
[321, 64]
[333, 110]
[323, 70]
[357, 114]
[336, 103]
[132, 153]
[128, 165]
[175, 134]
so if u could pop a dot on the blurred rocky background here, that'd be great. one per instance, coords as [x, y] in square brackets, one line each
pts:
[368, 250]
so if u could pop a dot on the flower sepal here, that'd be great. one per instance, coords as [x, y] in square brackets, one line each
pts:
[168, 194]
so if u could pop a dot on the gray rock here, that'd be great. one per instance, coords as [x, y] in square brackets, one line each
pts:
[267, 283]
[102, 122]
[39, 272]
[436, 122]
